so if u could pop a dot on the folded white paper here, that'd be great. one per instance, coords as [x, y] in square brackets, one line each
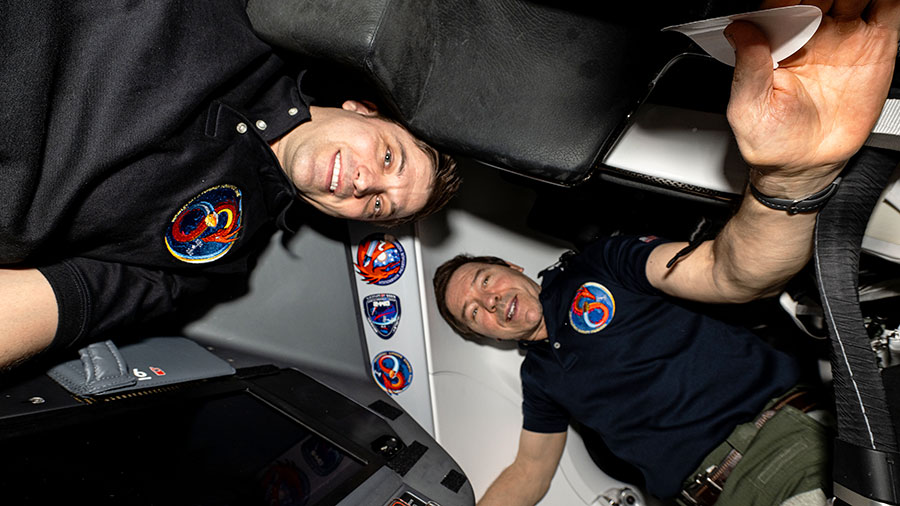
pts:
[787, 28]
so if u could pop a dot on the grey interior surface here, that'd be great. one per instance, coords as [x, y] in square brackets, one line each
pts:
[301, 311]
[300, 308]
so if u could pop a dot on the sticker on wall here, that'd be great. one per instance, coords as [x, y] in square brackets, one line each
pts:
[321, 456]
[392, 372]
[284, 483]
[383, 313]
[205, 228]
[592, 308]
[380, 259]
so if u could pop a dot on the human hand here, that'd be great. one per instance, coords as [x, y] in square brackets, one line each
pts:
[798, 124]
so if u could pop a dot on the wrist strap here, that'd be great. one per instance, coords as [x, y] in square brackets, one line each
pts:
[807, 204]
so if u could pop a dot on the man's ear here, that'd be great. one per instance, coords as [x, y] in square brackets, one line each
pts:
[516, 267]
[363, 107]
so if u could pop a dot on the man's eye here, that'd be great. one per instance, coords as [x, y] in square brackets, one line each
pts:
[388, 157]
[484, 282]
[377, 207]
[474, 312]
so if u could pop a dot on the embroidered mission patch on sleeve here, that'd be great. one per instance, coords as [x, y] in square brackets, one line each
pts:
[205, 228]
[592, 308]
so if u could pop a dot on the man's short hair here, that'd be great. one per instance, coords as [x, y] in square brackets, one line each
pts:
[443, 187]
[441, 281]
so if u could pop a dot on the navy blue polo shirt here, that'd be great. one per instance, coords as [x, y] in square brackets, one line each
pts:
[661, 384]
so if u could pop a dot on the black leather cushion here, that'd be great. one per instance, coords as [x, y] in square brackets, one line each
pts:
[518, 85]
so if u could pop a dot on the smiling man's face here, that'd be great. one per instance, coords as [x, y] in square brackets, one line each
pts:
[350, 163]
[496, 301]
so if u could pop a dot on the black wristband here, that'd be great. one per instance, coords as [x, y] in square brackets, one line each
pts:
[807, 204]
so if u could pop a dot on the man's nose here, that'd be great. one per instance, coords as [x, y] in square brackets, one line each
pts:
[367, 181]
[489, 301]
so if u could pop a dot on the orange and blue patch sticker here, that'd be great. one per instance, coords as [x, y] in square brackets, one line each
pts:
[592, 308]
[205, 228]
[380, 259]
[383, 313]
[392, 372]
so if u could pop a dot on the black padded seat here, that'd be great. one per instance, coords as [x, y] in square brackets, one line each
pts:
[538, 90]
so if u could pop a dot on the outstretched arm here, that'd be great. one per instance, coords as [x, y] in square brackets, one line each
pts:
[526, 481]
[95, 298]
[796, 127]
[29, 315]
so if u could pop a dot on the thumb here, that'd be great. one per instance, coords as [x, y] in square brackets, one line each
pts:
[753, 67]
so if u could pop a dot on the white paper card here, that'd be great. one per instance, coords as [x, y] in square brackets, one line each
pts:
[787, 28]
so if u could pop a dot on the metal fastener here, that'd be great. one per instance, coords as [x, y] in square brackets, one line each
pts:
[260, 124]
[242, 128]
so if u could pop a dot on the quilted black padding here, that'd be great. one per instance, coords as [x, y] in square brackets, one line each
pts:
[519, 85]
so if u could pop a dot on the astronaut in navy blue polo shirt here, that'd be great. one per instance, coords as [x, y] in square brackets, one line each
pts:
[605, 332]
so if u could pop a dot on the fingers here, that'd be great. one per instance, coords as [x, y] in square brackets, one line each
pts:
[753, 68]
[886, 13]
[847, 9]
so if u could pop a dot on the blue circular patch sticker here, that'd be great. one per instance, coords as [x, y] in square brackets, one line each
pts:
[207, 226]
[383, 313]
[592, 308]
[321, 456]
[380, 259]
[392, 372]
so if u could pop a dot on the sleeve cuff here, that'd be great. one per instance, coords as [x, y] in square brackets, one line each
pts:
[73, 303]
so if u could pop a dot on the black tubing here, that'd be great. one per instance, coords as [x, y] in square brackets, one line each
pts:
[865, 430]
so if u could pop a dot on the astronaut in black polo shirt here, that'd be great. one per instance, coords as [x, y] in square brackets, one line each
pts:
[605, 329]
[150, 146]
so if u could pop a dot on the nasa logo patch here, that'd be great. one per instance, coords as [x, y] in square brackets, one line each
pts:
[321, 456]
[383, 313]
[592, 308]
[380, 259]
[392, 372]
[205, 228]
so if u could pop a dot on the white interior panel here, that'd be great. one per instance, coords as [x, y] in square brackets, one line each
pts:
[690, 147]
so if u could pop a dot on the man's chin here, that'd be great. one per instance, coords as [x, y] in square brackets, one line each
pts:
[322, 208]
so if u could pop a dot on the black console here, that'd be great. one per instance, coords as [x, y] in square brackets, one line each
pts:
[263, 436]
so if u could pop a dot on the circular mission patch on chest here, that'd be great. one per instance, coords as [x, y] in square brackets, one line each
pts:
[592, 308]
[205, 228]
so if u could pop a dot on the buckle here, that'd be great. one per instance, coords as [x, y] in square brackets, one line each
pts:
[702, 490]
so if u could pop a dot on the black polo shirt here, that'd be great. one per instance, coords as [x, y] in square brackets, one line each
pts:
[661, 384]
[148, 174]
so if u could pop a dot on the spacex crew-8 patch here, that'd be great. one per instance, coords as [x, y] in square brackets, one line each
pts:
[205, 228]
